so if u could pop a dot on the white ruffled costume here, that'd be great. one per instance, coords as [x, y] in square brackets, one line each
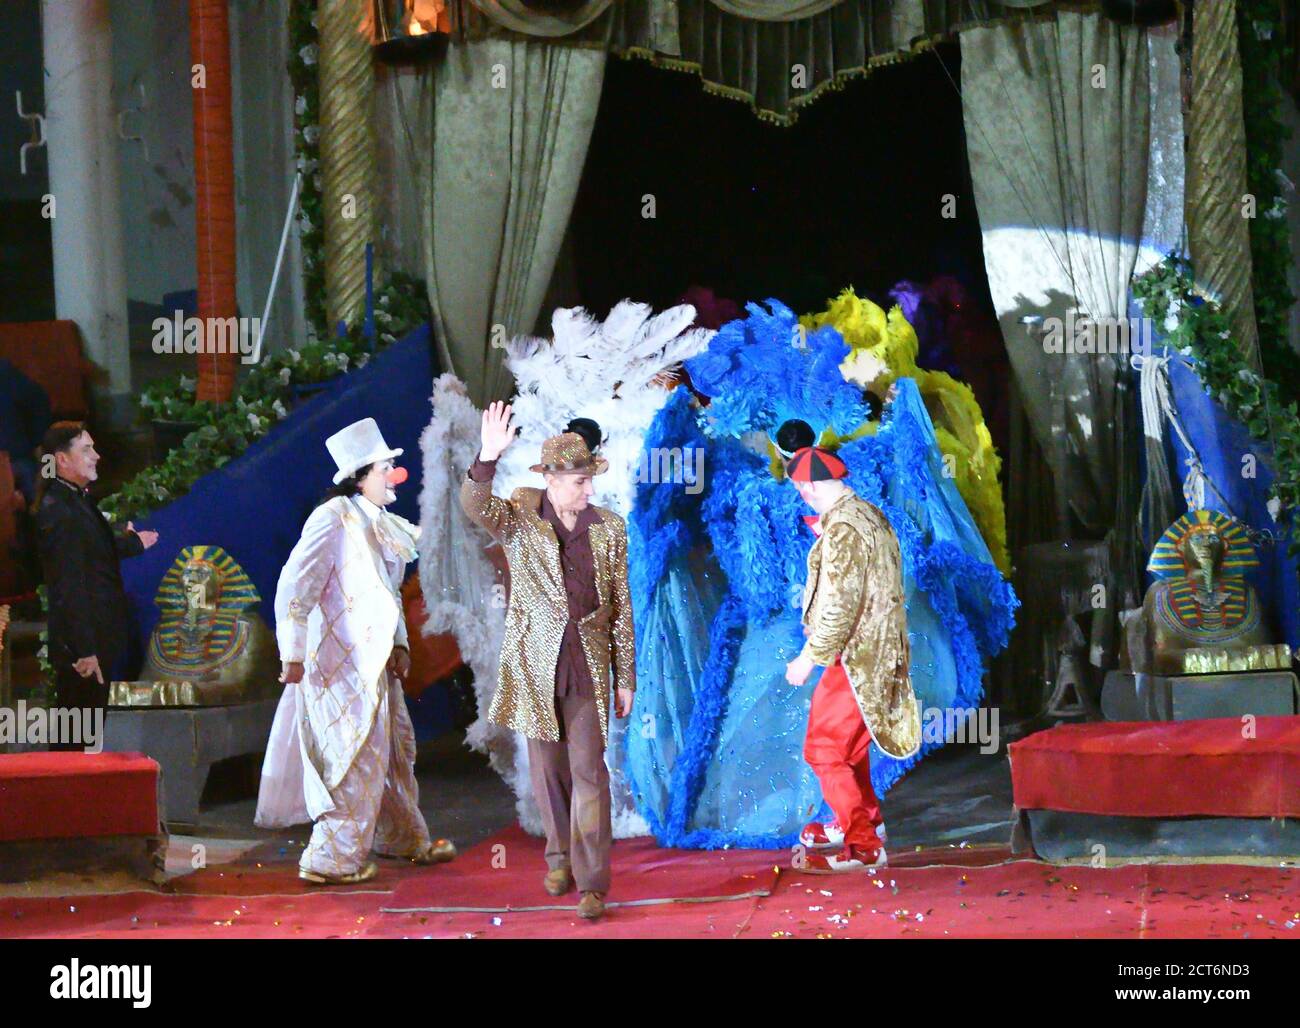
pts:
[593, 369]
[342, 750]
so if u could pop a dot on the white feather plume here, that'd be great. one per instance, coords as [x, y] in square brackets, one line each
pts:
[598, 370]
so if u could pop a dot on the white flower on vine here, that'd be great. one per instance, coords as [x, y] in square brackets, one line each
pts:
[311, 133]
[1223, 398]
[293, 355]
[1171, 324]
[343, 362]
[280, 412]
[383, 317]
[285, 375]
[388, 337]
[1246, 375]
[300, 105]
[309, 53]
[1186, 351]
[253, 420]
[1274, 507]
[188, 384]
[363, 360]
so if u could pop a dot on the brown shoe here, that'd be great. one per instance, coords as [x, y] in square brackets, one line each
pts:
[558, 882]
[355, 878]
[592, 906]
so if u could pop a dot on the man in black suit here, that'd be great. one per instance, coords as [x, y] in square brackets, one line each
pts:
[80, 554]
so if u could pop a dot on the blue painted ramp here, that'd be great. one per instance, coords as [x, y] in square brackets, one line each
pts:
[255, 506]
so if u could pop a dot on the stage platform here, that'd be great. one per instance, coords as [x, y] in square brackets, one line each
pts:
[1221, 787]
[186, 742]
[1132, 697]
[79, 812]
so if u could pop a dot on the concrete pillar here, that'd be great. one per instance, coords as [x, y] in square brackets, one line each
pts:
[81, 129]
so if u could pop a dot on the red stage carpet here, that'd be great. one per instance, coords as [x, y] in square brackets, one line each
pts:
[935, 893]
[507, 875]
[1210, 767]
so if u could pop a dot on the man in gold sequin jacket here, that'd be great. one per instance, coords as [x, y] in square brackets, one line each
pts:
[568, 629]
[856, 623]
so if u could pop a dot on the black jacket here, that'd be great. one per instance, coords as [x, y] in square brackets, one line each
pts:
[80, 554]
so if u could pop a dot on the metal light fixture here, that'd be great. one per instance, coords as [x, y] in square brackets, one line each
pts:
[409, 30]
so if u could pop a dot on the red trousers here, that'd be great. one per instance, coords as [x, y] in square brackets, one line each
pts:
[836, 748]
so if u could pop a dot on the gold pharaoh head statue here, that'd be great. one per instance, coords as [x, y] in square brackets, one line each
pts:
[204, 580]
[1205, 541]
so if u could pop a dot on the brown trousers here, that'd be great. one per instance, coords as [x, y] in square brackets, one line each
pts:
[571, 785]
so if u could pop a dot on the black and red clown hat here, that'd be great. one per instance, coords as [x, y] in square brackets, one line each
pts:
[813, 464]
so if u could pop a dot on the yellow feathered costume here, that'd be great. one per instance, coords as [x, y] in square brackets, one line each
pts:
[883, 348]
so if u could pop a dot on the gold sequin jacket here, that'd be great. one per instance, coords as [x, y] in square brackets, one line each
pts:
[853, 608]
[539, 609]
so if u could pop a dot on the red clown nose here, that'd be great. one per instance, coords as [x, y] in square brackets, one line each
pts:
[397, 476]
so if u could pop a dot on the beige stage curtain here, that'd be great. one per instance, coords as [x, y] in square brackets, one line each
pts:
[519, 17]
[1057, 119]
[774, 10]
[748, 50]
[499, 131]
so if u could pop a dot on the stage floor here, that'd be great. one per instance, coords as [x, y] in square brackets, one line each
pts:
[951, 875]
[956, 892]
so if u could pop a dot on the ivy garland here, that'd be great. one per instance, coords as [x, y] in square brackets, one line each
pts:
[1199, 329]
[1263, 52]
[263, 397]
[304, 54]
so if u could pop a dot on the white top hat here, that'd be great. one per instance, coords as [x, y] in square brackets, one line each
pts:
[359, 444]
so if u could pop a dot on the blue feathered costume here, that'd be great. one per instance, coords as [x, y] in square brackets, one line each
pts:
[715, 753]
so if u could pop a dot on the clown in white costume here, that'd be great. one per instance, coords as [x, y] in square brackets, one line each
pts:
[617, 373]
[342, 750]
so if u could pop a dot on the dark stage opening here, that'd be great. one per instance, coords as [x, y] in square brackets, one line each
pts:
[868, 187]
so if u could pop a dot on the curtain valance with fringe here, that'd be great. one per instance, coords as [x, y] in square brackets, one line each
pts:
[776, 55]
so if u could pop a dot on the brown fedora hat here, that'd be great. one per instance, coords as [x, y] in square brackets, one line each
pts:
[568, 452]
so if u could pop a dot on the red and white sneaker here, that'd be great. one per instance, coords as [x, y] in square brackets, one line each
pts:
[850, 858]
[819, 836]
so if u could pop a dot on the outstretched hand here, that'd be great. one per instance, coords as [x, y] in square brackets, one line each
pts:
[798, 670]
[497, 432]
[147, 537]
